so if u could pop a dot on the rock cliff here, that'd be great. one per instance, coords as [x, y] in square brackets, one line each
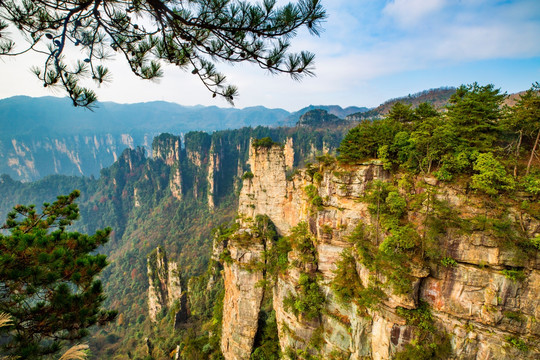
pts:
[29, 158]
[379, 265]
[164, 287]
[168, 148]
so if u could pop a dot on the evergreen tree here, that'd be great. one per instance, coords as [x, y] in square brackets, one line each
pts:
[401, 113]
[190, 34]
[524, 120]
[47, 279]
[474, 111]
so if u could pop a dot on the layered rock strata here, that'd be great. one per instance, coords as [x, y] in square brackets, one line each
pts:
[164, 283]
[485, 313]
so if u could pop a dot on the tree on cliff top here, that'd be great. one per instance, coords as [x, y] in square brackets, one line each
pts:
[47, 279]
[190, 34]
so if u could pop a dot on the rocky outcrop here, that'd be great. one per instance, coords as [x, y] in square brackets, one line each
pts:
[318, 117]
[484, 295]
[288, 150]
[164, 284]
[175, 183]
[168, 148]
[214, 166]
[242, 299]
[30, 158]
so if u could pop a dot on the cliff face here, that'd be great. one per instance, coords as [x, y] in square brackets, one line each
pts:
[30, 158]
[168, 148]
[477, 295]
[242, 300]
[163, 283]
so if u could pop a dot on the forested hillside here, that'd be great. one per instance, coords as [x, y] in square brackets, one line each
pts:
[322, 240]
[438, 98]
[172, 200]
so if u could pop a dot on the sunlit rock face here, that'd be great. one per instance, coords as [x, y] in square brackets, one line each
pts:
[469, 300]
[164, 284]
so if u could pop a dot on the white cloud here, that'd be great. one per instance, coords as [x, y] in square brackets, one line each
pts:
[409, 12]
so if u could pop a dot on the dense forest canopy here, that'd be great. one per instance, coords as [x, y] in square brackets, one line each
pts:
[475, 135]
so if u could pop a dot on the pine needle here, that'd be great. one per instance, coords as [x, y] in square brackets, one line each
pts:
[77, 352]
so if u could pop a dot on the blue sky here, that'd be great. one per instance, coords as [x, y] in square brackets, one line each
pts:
[370, 51]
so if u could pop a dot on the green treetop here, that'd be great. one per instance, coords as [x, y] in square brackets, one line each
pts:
[475, 111]
[524, 120]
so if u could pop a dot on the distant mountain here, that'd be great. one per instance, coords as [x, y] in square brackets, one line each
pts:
[512, 99]
[319, 117]
[437, 97]
[21, 115]
[47, 135]
[331, 109]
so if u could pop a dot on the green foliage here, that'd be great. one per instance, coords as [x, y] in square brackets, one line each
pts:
[190, 38]
[309, 300]
[277, 261]
[385, 203]
[346, 283]
[265, 142]
[514, 274]
[474, 111]
[313, 194]
[48, 277]
[247, 175]
[401, 113]
[266, 345]
[518, 343]
[467, 140]
[522, 126]
[302, 242]
[448, 262]
[225, 257]
[326, 160]
[317, 201]
[400, 239]
[531, 183]
[535, 242]
[396, 204]
[363, 141]
[311, 191]
[430, 343]
[348, 287]
[420, 317]
[456, 163]
[491, 176]
[514, 315]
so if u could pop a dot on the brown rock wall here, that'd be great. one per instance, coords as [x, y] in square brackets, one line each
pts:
[473, 301]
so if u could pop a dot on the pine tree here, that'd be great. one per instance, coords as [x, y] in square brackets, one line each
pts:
[48, 283]
[524, 120]
[190, 34]
[475, 111]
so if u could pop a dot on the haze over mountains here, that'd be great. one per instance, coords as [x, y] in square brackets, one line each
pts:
[47, 135]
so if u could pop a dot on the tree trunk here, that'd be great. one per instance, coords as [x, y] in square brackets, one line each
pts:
[378, 213]
[532, 153]
[517, 153]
